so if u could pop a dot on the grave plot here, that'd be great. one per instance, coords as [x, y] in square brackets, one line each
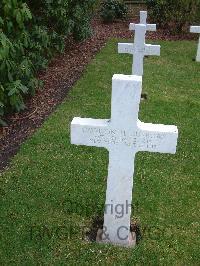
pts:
[53, 192]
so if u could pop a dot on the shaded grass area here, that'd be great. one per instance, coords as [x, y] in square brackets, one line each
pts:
[53, 190]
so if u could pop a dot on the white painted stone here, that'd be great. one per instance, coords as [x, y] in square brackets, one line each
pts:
[143, 20]
[139, 49]
[126, 48]
[123, 136]
[129, 48]
[196, 29]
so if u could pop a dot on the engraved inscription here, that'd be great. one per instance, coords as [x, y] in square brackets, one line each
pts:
[137, 139]
[126, 48]
[141, 49]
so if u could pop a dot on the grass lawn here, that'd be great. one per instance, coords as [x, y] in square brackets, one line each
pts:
[53, 191]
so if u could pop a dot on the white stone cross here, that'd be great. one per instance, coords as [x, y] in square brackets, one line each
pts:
[139, 49]
[123, 136]
[196, 29]
[143, 20]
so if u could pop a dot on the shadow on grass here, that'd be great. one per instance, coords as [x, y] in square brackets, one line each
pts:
[97, 223]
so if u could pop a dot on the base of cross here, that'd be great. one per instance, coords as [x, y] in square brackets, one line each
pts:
[131, 243]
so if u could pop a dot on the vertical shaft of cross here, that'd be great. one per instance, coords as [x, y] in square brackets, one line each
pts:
[119, 196]
[140, 31]
[198, 52]
[143, 17]
[126, 90]
[124, 116]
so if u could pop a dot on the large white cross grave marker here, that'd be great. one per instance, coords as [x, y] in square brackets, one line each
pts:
[143, 20]
[123, 136]
[196, 29]
[139, 49]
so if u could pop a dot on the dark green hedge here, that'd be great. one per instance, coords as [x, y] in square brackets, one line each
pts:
[174, 15]
[31, 32]
[113, 9]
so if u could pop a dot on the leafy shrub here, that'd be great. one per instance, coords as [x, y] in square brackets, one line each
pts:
[174, 15]
[81, 22]
[113, 9]
[31, 32]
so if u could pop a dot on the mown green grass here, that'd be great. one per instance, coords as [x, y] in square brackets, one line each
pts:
[48, 173]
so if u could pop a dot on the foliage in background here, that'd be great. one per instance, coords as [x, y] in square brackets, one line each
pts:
[174, 15]
[113, 9]
[30, 33]
[54, 192]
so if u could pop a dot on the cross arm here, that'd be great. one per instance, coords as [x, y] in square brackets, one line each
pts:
[195, 29]
[129, 48]
[89, 132]
[149, 27]
[157, 138]
[152, 49]
[126, 48]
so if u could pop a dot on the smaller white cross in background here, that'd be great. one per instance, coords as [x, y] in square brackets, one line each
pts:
[196, 29]
[143, 20]
[139, 49]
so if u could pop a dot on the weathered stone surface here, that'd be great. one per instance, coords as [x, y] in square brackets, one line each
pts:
[123, 136]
